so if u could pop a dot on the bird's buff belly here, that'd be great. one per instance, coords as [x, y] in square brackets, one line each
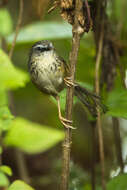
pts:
[48, 82]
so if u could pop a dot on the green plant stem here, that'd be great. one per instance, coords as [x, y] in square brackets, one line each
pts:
[17, 28]
[93, 160]
[21, 164]
[0, 146]
[97, 90]
[117, 140]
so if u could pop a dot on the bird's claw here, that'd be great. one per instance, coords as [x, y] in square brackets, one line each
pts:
[68, 81]
[67, 123]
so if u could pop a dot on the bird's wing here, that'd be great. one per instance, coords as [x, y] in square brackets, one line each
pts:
[64, 64]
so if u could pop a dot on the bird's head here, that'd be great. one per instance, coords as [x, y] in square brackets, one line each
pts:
[41, 47]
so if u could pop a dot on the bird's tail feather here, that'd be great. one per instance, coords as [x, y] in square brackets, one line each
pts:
[89, 99]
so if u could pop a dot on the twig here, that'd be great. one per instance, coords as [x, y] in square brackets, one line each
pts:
[121, 19]
[117, 140]
[21, 164]
[0, 147]
[97, 90]
[93, 160]
[17, 28]
[88, 11]
[69, 98]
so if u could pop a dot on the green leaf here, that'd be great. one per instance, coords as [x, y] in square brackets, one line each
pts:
[6, 169]
[10, 76]
[41, 29]
[4, 182]
[118, 183]
[32, 137]
[19, 185]
[5, 118]
[5, 22]
[3, 97]
[117, 103]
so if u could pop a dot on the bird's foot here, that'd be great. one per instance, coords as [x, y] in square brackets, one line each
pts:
[68, 81]
[67, 123]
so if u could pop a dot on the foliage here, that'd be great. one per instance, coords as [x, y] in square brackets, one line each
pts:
[5, 169]
[10, 76]
[35, 138]
[4, 181]
[117, 103]
[5, 118]
[20, 185]
[5, 27]
[27, 34]
[118, 183]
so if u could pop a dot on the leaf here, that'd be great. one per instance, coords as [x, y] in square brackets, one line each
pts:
[5, 118]
[6, 169]
[4, 182]
[117, 103]
[5, 22]
[118, 183]
[3, 97]
[32, 137]
[10, 76]
[42, 31]
[19, 185]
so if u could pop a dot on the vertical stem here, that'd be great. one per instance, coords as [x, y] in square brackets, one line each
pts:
[118, 142]
[67, 140]
[93, 160]
[97, 90]
[0, 147]
[21, 164]
[17, 28]
[69, 97]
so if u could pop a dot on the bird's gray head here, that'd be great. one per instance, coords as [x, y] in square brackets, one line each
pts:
[42, 46]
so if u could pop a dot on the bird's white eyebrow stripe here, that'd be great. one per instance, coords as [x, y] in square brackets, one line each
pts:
[39, 45]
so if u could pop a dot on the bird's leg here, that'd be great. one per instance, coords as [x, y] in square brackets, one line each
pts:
[68, 82]
[67, 123]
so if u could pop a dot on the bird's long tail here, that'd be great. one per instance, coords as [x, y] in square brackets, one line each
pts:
[89, 99]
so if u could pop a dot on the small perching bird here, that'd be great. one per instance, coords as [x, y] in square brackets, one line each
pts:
[49, 72]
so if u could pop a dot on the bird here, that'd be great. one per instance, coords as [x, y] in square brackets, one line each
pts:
[50, 74]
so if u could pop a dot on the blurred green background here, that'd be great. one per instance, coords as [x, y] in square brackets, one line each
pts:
[31, 133]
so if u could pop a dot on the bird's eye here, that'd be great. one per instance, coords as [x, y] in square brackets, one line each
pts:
[39, 48]
[42, 48]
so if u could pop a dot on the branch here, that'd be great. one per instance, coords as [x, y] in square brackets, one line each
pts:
[97, 90]
[77, 31]
[17, 28]
[21, 165]
[1, 148]
[93, 160]
[117, 139]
